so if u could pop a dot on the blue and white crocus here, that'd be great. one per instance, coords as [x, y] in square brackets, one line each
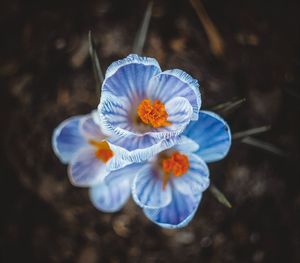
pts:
[144, 108]
[80, 143]
[148, 138]
[169, 186]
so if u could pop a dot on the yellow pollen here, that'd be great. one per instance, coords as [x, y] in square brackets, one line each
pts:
[153, 114]
[177, 165]
[103, 151]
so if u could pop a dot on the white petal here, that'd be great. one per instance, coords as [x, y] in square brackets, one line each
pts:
[86, 169]
[175, 83]
[147, 188]
[212, 134]
[67, 139]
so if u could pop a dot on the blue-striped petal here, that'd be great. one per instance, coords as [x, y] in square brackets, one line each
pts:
[112, 193]
[126, 173]
[180, 112]
[110, 197]
[67, 139]
[137, 148]
[118, 117]
[147, 188]
[129, 77]
[212, 134]
[98, 120]
[196, 180]
[85, 169]
[114, 113]
[90, 129]
[124, 87]
[175, 83]
[177, 214]
[186, 145]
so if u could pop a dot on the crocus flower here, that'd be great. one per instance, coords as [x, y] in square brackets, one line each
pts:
[169, 186]
[144, 108]
[148, 138]
[80, 143]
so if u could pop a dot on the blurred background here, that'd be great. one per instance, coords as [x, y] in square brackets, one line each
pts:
[243, 52]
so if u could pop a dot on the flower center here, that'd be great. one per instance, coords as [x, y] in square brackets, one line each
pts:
[103, 151]
[177, 164]
[153, 114]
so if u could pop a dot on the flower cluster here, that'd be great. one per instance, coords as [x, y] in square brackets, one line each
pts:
[147, 139]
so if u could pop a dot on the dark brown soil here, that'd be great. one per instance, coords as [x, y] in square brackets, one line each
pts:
[46, 76]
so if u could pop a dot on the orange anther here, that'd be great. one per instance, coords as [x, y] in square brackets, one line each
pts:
[154, 114]
[103, 151]
[177, 164]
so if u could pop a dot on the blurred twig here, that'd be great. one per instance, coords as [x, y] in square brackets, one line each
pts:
[99, 77]
[265, 146]
[219, 196]
[232, 106]
[228, 106]
[220, 106]
[215, 39]
[142, 32]
[242, 134]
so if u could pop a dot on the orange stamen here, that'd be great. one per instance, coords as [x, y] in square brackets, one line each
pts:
[103, 152]
[154, 114]
[177, 165]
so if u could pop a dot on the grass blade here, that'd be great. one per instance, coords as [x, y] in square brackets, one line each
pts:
[219, 196]
[228, 106]
[233, 105]
[215, 39]
[220, 106]
[99, 77]
[140, 38]
[264, 146]
[242, 134]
